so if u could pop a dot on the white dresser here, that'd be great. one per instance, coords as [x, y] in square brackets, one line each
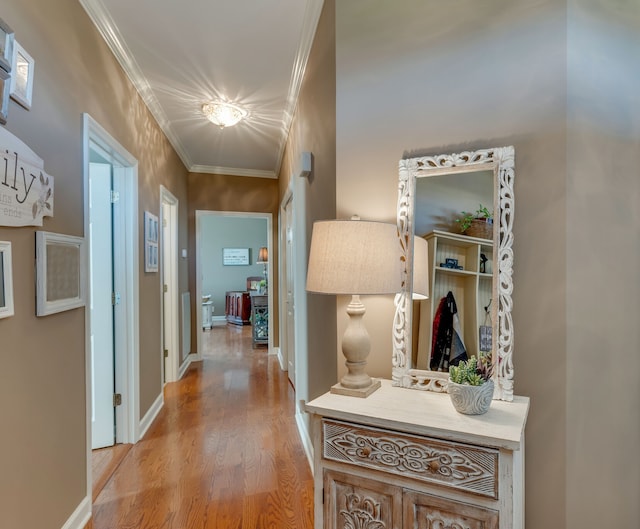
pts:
[406, 459]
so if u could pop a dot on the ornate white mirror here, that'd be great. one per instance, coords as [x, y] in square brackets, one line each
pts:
[471, 273]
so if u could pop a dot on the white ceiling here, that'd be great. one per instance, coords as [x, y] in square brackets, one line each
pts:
[181, 54]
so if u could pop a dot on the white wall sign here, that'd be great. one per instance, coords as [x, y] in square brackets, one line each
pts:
[26, 191]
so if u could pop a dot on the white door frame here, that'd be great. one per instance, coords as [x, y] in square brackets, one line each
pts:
[283, 269]
[125, 175]
[170, 310]
[199, 215]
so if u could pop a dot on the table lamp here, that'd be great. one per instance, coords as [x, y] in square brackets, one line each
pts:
[420, 288]
[354, 257]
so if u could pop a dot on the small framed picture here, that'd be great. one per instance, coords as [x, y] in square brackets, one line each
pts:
[5, 84]
[60, 273]
[235, 256]
[6, 280]
[22, 76]
[6, 46]
[150, 242]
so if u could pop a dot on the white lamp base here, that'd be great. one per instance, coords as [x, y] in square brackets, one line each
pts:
[356, 392]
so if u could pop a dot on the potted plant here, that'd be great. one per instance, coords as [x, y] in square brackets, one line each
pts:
[478, 224]
[471, 386]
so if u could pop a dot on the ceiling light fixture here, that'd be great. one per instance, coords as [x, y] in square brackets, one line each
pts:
[223, 114]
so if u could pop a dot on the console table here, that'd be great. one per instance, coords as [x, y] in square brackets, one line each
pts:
[403, 458]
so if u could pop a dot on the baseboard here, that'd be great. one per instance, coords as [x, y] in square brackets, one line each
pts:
[150, 416]
[281, 361]
[307, 445]
[185, 365]
[218, 321]
[80, 516]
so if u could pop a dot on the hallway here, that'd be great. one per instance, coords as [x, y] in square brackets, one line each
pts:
[223, 453]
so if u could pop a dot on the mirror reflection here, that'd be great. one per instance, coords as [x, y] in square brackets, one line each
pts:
[456, 321]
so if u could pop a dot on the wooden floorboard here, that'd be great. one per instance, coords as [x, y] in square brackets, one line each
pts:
[223, 453]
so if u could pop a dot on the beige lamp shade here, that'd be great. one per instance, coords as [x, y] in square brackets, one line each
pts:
[354, 257]
[263, 255]
[420, 269]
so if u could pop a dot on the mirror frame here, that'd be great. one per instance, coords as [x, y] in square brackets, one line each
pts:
[501, 161]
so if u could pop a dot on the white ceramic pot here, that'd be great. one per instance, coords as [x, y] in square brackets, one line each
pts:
[471, 400]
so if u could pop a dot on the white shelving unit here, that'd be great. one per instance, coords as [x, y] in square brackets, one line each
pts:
[471, 288]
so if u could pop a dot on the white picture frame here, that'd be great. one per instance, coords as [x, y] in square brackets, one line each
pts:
[151, 238]
[22, 72]
[235, 256]
[5, 87]
[6, 280]
[60, 273]
[7, 39]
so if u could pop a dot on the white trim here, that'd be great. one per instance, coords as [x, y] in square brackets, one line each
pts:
[81, 516]
[278, 352]
[112, 36]
[185, 365]
[151, 414]
[128, 360]
[205, 213]
[167, 198]
[219, 321]
[312, 14]
[232, 171]
[307, 445]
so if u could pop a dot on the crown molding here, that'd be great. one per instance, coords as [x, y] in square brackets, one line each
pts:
[310, 23]
[111, 34]
[232, 171]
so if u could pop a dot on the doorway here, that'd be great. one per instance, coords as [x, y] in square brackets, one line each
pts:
[111, 321]
[169, 270]
[209, 254]
[288, 322]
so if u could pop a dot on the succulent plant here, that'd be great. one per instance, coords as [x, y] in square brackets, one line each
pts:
[474, 372]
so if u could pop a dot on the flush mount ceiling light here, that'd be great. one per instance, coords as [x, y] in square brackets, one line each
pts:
[223, 114]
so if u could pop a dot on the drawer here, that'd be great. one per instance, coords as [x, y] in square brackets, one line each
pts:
[464, 467]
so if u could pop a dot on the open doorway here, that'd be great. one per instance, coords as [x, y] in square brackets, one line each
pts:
[227, 254]
[112, 334]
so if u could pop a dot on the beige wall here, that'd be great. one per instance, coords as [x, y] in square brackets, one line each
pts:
[42, 389]
[603, 249]
[435, 77]
[313, 130]
[209, 192]
[559, 81]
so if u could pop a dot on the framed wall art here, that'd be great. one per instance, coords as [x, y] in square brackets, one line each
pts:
[235, 256]
[60, 273]
[6, 46]
[6, 280]
[22, 68]
[150, 242]
[5, 87]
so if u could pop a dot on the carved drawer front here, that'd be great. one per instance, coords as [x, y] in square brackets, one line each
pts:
[356, 503]
[469, 468]
[423, 511]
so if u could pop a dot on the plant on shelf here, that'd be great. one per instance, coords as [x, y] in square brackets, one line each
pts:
[470, 384]
[481, 214]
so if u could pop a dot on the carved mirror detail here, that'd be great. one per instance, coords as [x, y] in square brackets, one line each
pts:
[499, 162]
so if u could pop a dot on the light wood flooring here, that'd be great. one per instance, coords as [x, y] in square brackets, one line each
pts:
[223, 453]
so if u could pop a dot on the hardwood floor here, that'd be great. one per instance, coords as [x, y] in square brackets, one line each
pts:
[223, 453]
